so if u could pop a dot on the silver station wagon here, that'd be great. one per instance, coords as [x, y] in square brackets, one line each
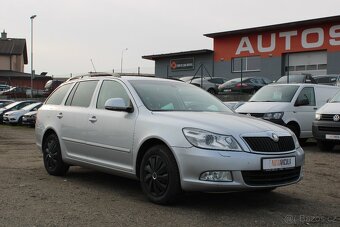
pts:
[171, 136]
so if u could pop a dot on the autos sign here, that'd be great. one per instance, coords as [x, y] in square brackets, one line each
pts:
[274, 43]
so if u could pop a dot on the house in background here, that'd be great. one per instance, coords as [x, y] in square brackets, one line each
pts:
[13, 58]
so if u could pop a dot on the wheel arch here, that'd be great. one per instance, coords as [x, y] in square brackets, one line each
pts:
[48, 132]
[295, 124]
[148, 143]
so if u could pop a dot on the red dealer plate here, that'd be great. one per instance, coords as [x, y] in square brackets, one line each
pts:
[278, 163]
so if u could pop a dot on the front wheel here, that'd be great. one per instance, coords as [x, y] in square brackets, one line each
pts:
[159, 176]
[53, 161]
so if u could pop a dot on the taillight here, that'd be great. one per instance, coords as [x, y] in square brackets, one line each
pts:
[243, 85]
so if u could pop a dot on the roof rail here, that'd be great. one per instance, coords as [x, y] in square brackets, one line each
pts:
[93, 75]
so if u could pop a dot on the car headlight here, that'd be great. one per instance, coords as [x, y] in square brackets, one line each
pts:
[295, 139]
[208, 140]
[317, 116]
[275, 116]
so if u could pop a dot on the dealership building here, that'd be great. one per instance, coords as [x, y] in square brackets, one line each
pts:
[309, 46]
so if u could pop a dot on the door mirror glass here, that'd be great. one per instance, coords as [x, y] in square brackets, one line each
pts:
[117, 104]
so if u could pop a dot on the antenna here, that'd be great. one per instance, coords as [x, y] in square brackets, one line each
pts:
[94, 68]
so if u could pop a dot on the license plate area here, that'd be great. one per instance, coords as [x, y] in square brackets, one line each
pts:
[278, 163]
[332, 137]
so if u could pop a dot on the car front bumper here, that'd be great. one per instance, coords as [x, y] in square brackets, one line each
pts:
[326, 130]
[9, 119]
[28, 121]
[245, 167]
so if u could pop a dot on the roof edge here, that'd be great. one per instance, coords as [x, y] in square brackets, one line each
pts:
[191, 52]
[275, 26]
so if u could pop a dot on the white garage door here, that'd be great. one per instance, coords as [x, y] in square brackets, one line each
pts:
[314, 63]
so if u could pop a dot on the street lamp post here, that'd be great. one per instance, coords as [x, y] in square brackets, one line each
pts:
[32, 70]
[121, 60]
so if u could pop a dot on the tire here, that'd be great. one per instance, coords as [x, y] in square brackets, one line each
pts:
[20, 121]
[212, 91]
[159, 176]
[325, 145]
[53, 161]
[294, 129]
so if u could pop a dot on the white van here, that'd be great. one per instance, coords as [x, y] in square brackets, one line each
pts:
[291, 105]
[326, 126]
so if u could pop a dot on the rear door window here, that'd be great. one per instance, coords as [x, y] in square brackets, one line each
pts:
[83, 93]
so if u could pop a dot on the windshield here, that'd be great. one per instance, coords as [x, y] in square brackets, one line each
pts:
[11, 105]
[176, 96]
[275, 94]
[336, 98]
[292, 79]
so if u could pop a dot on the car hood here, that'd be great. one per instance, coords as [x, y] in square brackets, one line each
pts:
[263, 107]
[31, 113]
[219, 122]
[17, 112]
[329, 108]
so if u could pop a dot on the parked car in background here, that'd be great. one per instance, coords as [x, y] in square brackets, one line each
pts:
[15, 92]
[29, 118]
[333, 79]
[233, 105]
[186, 78]
[210, 84]
[13, 106]
[5, 102]
[326, 126]
[296, 79]
[50, 86]
[169, 135]
[15, 116]
[248, 85]
[290, 105]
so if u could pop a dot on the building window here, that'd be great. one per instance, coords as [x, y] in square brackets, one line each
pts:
[322, 66]
[311, 67]
[249, 64]
[300, 68]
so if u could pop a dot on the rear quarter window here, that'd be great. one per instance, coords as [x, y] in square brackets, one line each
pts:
[58, 95]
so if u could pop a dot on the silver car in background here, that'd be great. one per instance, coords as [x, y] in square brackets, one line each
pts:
[169, 135]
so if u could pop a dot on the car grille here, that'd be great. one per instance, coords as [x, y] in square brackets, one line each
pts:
[327, 117]
[263, 178]
[329, 129]
[266, 144]
[254, 114]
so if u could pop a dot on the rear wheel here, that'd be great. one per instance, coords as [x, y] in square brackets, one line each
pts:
[159, 175]
[53, 161]
[212, 91]
[325, 145]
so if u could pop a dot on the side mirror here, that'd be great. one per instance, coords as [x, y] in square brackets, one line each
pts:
[302, 102]
[118, 104]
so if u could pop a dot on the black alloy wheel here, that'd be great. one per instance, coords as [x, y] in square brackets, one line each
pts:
[53, 162]
[159, 175]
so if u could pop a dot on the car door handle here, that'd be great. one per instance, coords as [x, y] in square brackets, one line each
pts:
[93, 119]
[60, 115]
[315, 108]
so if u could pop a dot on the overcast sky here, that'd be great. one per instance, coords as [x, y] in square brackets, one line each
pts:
[69, 33]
